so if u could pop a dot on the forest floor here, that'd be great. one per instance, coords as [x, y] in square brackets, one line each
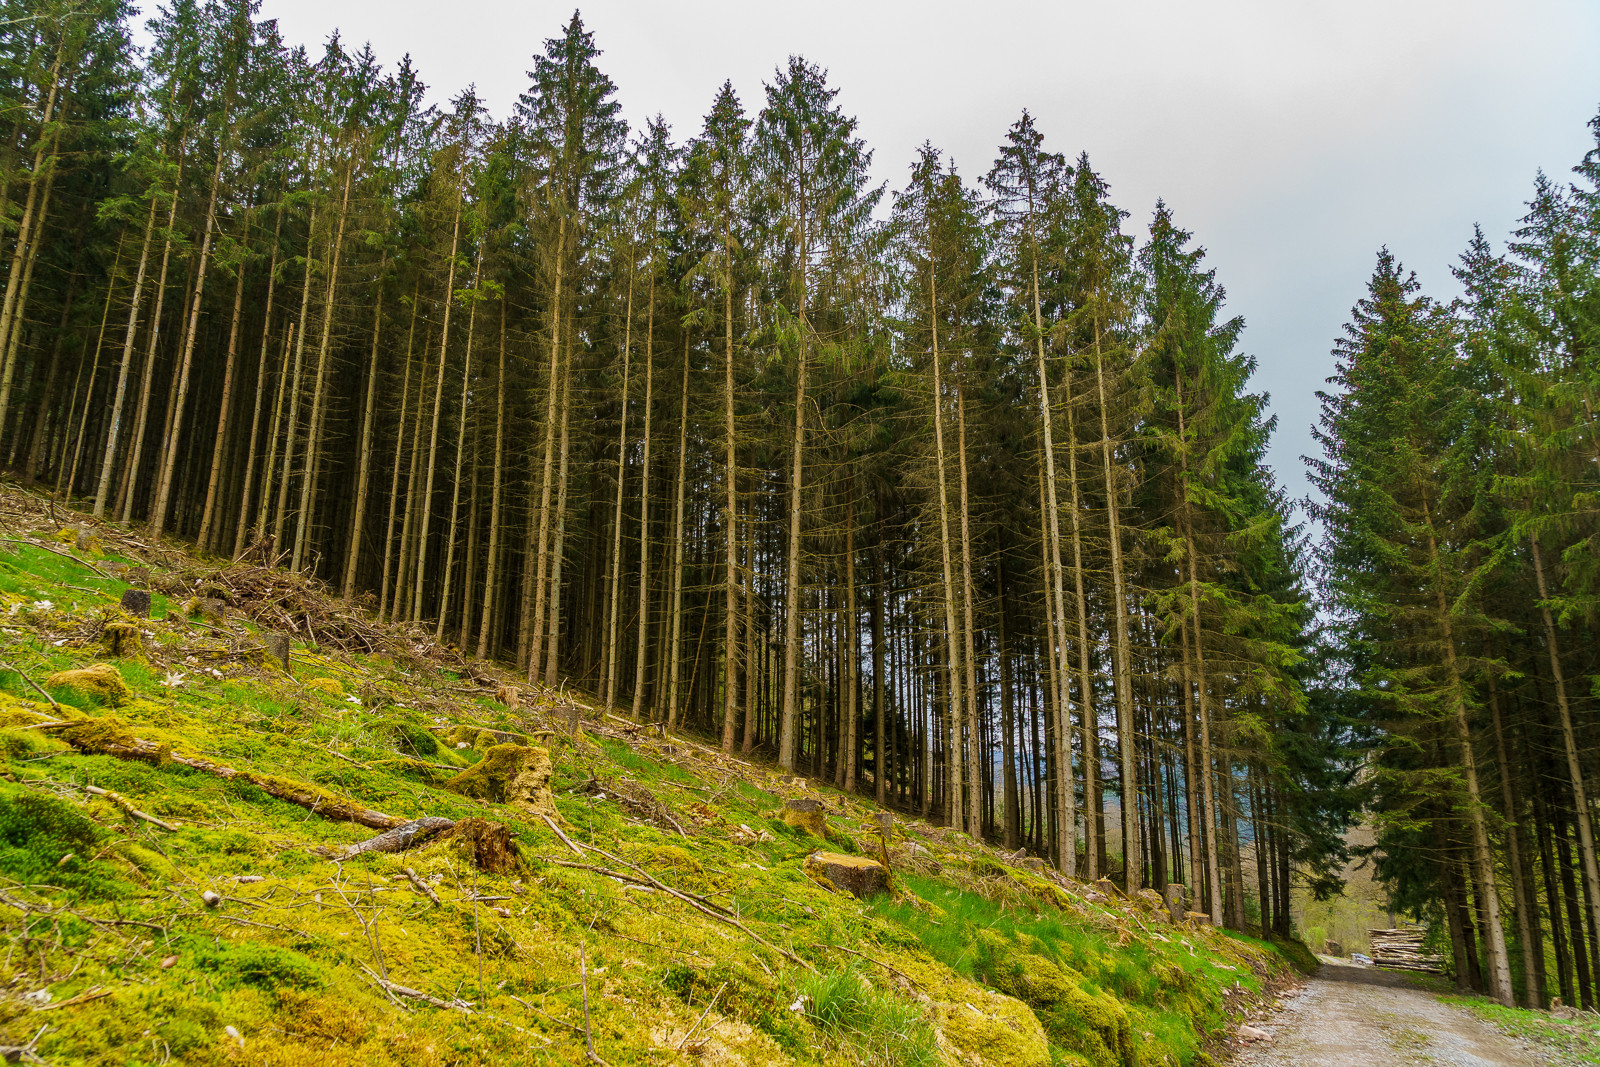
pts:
[180, 882]
[1354, 1016]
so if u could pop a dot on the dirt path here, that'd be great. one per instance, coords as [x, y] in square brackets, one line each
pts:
[1349, 1016]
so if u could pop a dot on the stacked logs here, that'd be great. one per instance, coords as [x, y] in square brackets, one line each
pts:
[1402, 950]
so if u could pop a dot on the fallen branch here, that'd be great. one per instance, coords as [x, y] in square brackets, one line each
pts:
[94, 993]
[59, 552]
[122, 802]
[704, 907]
[416, 994]
[702, 1018]
[338, 809]
[564, 838]
[400, 837]
[892, 970]
[37, 688]
[421, 886]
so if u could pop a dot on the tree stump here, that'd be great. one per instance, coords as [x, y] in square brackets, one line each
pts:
[856, 875]
[806, 813]
[278, 649]
[1176, 902]
[136, 602]
[122, 640]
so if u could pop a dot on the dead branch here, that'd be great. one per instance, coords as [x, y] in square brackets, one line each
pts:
[37, 688]
[334, 808]
[420, 885]
[400, 837]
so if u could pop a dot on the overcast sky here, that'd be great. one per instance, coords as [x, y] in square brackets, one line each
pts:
[1293, 138]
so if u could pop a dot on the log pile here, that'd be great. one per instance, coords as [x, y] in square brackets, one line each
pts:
[1402, 950]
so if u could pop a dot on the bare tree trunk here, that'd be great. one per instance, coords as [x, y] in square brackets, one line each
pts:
[461, 444]
[1127, 739]
[261, 382]
[294, 394]
[613, 623]
[115, 428]
[169, 454]
[852, 713]
[558, 543]
[977, 755]
[272, 437]
[1569, 739]
[1093, 836]
[364, 470]
[1533, 996]
[130, 477]
[94, 370]
[1483, 859]
[541, 562]
[209, 510]
[29, 228]
[644, 504]
[677, 546]
[491, 564]
[302, 526]
[384, 602]
[424, 520]
[401, 606]
[730, 677]
[791, 644]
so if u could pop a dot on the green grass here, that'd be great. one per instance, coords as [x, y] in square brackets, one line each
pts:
[1575, 1041]
[874, 1027]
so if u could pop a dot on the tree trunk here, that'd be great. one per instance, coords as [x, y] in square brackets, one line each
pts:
[491, 564]
[461, 447]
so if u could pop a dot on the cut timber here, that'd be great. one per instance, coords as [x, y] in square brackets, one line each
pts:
[107, 737]
[858, 876]
[1402, 950]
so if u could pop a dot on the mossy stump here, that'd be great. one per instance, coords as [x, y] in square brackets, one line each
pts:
[122, 640]
[510, 774]
[807, 814]
[101, 682]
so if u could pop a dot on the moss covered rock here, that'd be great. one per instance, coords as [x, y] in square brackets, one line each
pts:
[1094, 1024]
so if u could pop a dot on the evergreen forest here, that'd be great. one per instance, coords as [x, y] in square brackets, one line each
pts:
[949, 492]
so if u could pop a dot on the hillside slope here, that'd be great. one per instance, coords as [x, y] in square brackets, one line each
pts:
[177, 883]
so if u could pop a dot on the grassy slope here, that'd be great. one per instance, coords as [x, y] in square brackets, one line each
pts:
[111, 948]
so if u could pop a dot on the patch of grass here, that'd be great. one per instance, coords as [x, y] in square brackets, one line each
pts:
[1569, 1041]
[873, 1026]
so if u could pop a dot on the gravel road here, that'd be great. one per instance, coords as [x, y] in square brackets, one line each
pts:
[1349, 1016]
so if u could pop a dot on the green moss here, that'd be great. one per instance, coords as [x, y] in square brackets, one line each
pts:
[265, 967]
[101, 685]
[1299, 956]
[45, 841]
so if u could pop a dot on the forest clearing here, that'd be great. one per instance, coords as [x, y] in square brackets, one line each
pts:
[545, 589]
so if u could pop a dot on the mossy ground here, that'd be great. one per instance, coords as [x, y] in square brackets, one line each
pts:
[111, 946]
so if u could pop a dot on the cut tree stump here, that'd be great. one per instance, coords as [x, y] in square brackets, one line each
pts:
[856, 875]
[806, 813]
[136, 602]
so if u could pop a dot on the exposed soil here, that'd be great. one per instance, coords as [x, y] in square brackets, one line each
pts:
[1350, 1016]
